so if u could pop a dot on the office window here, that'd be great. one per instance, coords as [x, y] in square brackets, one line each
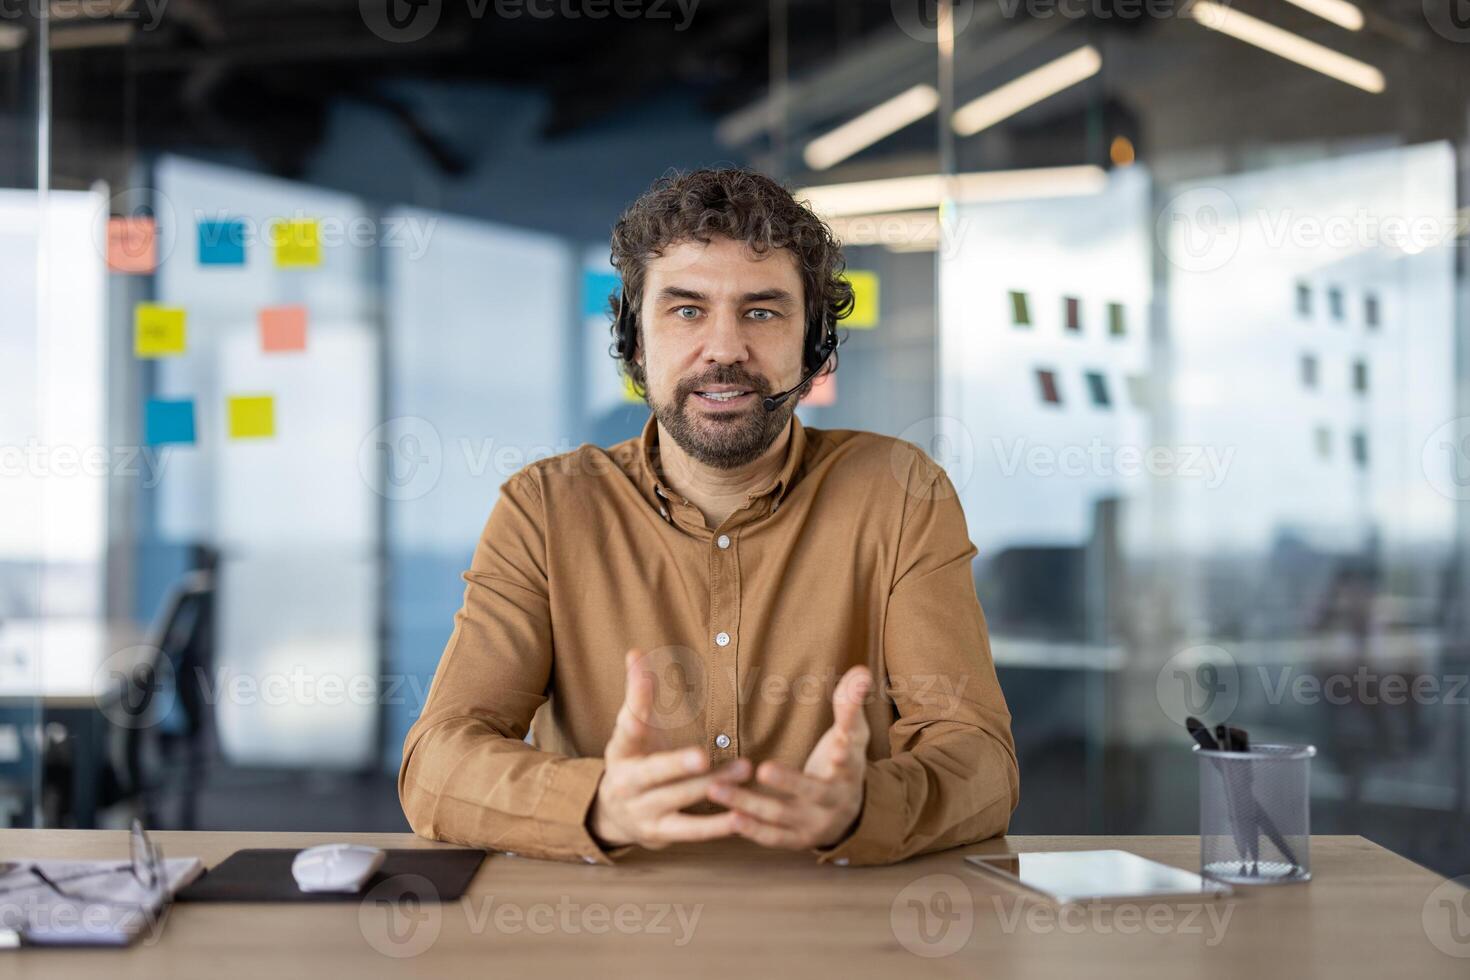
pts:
[1309, 370]
[1074, 314]
[1303, 299]
[1116, 326]
[1020, 311]
[1097, 387]
[1360, 376]
[1322, 439]
[1137, 390]
[1047, 380]
[1360, 449]
[1334, 303]
[1370, 311]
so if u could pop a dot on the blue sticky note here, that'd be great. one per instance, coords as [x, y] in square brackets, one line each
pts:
[596, 287]
[222, 242]
[167, 421]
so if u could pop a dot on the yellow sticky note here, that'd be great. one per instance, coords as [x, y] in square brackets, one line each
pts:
[865, 300]
[298, 243]
[630, 394]
[158, 331]
[252, 416]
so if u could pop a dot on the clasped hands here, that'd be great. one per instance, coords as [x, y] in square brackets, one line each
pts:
[642, 792]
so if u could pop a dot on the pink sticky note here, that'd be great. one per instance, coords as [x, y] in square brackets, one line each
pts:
[132, 245]
[823, 393]
[283, 328]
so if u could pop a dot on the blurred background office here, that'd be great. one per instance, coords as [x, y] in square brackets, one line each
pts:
[1175, 292]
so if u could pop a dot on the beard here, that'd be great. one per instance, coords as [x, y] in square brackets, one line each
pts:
[725, 440]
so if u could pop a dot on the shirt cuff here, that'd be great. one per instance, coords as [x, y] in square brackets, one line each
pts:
[879, 828]
[564, 808]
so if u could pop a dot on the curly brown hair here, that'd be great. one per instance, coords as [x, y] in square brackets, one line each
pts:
[743, 206]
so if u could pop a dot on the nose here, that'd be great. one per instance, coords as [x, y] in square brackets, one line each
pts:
[725, 342]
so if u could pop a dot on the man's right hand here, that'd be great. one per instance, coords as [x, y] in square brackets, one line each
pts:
[642, 792]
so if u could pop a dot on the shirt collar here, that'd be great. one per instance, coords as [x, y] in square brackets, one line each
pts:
[795, 451]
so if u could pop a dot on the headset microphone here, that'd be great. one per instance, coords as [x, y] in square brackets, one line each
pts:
[771, 402]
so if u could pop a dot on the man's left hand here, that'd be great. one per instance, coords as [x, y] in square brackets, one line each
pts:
[818, 806]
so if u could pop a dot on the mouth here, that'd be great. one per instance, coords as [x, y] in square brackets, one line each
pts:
[724, 398]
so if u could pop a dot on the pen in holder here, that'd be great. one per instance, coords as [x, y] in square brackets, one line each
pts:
[1255, 814]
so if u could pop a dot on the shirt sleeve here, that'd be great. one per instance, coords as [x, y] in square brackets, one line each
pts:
[468, 776]
[952, 776]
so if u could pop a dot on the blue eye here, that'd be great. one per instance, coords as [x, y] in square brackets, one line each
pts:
[681, 311]
[762, 314]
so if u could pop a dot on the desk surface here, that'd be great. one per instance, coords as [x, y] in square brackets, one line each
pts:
[733, 910]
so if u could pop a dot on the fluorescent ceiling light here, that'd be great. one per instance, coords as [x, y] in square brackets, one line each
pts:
[862, 132]
[1285, 44]
[1339, 12]
[929, 190]
[1026, 91]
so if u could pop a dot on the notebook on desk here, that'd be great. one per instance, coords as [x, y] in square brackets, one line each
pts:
[264, 875]
[99, 903]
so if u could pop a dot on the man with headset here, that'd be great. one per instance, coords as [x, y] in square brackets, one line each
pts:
[732, 625]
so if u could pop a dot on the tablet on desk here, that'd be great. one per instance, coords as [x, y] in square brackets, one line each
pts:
[1068, 877]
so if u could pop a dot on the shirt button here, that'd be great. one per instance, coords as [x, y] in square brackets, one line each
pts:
[722, 740]
[841, 861]
[722, 639]
[590, 859]
[723, 541]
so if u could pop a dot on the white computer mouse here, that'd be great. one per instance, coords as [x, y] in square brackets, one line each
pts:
[335, 867]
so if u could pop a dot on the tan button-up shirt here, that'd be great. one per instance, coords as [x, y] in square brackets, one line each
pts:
[857, 553]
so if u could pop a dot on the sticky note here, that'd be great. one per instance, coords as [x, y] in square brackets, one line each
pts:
[298, 243]
[222, 242]
[251, 416]
[823, 393]
[630, 394]
[865, 300]
[132, 245]
[166, 421]
[282, 328]
[158, 331]
[596, 288]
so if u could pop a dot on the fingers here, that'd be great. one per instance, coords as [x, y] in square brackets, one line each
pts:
[674, 828]
[769, 835]
[630, 733]
[763, 807]
[848, 699]
[636, 775]
[686, 792]
[784, 779]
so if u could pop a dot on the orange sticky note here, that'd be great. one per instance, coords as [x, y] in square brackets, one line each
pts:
[132, 245]
[252, 416]
[283, 328]
[823, 393]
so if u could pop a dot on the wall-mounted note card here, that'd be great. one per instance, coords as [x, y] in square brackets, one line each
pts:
[251, 416]
[596, 288]
[283, 328]
[298, 243]
[158, 331]
[865, 300]
[169, 421]
[222, 242]
[132, 245]
[823, 393]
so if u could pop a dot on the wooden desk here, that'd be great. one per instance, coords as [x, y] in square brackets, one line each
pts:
[763, 915]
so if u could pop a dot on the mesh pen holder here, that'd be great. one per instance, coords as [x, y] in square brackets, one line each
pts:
[1255, 814]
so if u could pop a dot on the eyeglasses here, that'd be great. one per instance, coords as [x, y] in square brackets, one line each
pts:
[145, 864]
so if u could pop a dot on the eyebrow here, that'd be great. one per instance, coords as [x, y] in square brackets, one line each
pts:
[760, 296]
